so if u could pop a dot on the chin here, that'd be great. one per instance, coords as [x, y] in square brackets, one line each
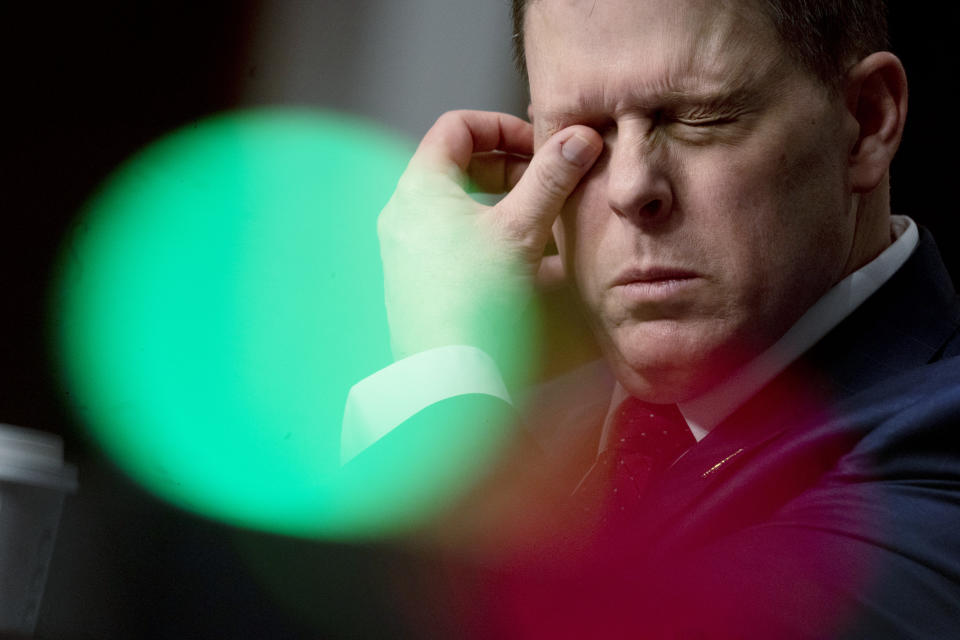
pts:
[661, 385]
[672, 367]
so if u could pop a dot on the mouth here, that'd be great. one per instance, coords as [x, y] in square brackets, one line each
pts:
[655, 283]
[653, 276]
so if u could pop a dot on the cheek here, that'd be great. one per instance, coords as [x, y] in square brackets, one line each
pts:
[586, 226]
[770, 218]
[571, 229]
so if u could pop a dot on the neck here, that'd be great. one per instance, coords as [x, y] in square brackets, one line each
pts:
[871, 234]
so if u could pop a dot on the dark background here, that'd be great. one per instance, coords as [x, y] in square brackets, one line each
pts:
[84, 87]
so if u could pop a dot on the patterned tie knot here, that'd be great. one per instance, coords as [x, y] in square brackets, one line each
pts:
[644, 440]
[656, 432]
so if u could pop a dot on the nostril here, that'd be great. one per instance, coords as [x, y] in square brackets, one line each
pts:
[652, 208]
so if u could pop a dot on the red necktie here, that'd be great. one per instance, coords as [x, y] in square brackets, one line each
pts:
[645, 439]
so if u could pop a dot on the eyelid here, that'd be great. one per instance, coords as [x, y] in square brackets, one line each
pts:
[705, 116]
[605, 125]
[706, 122]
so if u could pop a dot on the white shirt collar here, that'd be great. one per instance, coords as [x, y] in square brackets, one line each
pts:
[705, 412]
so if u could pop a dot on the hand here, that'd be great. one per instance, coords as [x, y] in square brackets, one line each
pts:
[456, 271]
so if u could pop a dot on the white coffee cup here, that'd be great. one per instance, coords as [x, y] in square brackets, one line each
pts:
[33, 482]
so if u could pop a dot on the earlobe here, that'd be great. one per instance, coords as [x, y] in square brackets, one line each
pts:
[876, 97]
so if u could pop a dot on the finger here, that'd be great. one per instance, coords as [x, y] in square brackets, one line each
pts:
[496, 172]
[457, 135]
[554, 172]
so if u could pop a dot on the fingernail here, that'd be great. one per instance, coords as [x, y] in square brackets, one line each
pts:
[577, 150]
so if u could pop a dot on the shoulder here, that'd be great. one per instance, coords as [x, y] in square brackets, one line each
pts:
[921, 406]
[873, 544]
[892, 502]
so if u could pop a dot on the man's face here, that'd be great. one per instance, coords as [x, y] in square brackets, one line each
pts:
[719, 210]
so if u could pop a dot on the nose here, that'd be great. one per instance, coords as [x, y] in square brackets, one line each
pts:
[638, 183]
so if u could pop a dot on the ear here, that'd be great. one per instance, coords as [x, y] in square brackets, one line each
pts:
[876, 96]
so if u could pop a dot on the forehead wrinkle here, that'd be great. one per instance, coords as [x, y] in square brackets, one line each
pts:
[731, 47]
[728, 52]
[720, 38]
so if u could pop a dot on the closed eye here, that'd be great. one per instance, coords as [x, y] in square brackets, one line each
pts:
[704, 122]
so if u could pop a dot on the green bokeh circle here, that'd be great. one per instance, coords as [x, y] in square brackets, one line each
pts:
[217, 299]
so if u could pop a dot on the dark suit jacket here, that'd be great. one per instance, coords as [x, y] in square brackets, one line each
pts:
[827, 506]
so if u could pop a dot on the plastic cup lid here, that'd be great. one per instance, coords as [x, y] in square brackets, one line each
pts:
[33, 457]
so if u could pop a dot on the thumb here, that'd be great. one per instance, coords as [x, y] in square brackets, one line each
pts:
[554, 172]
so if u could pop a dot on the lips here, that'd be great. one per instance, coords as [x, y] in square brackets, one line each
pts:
[654, 275]
[656, 286]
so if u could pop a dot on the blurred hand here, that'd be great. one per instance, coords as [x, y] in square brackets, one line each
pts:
[456, 271]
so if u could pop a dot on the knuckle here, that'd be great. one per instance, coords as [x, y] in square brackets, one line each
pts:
[385, 222]
[552, 179]
[452, 117]
[517, 235]
[447, 116]
[408, 181]
[394, 216]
